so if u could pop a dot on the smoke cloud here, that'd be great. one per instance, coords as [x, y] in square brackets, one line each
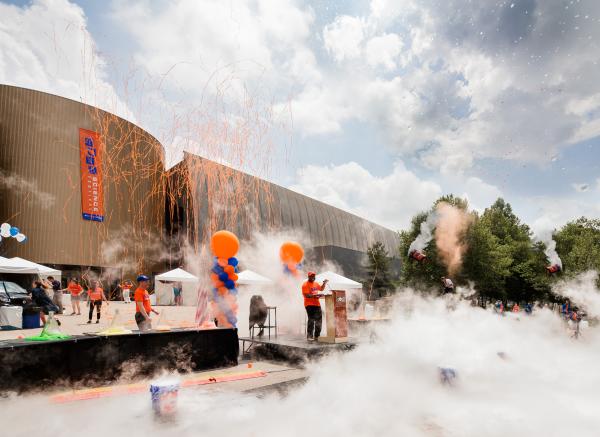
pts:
[28, 189]
[582, 291]
[516, 376]
[546, 238]
[426, 233]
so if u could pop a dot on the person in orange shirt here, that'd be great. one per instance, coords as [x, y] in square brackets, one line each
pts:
[310, 292]
[126, 286]
[95, 298]
[75, 289]
[143, 308]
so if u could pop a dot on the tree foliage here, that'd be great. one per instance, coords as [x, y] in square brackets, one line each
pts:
[378, 274]
[502, 260]
[578, 244]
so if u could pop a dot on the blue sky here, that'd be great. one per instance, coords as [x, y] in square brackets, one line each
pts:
[377, 107]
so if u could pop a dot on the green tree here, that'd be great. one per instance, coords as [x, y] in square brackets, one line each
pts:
[378, 275]
[425, 274]
[526, 278]
[486, 262]
[578, 244]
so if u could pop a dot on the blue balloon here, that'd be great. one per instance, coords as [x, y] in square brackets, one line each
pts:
[233, 261]
[217, 269]
[229, 284]
[235, 269]
[223, 277]
[14, 231]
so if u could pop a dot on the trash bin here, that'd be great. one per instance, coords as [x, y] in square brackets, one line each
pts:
[31, 317]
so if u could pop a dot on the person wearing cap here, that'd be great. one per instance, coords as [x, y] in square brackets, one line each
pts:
[310, 292]
[143, 308]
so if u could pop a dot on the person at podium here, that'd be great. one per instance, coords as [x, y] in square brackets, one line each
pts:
[311, 293]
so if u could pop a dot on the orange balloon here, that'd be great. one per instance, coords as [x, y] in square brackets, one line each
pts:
[291, 252]
[229, 270]
[292, 267]
[224, 244]
[222, 262]
[234, 277]
[223, 291]
[214, 277]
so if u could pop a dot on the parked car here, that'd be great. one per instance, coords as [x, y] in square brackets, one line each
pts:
[13, 294]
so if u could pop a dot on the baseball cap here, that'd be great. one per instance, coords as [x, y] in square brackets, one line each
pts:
[311, 274]
[142, 278]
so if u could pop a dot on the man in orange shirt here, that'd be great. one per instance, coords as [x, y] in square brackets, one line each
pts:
[310, 291]
[143, 308]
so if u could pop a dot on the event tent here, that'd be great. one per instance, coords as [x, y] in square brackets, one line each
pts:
[338, 282]
[164, 290]
[248, 277]
[177, 275]
[42, 269]
[22, 266]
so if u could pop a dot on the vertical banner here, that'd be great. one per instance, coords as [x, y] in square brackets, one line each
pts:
[92, 196]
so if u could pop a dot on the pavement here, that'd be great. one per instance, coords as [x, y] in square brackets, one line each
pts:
[249, 377]
[173, 316]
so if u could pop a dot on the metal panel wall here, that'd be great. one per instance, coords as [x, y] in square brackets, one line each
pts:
[324, 224]
[39, 153]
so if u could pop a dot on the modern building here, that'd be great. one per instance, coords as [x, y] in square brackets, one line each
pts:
[43, 190]
[256, 205]
[90, 191]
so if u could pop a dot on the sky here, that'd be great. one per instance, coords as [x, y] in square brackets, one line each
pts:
[375, 107]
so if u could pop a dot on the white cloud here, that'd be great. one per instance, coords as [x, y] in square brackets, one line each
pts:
[480, 194]
[581, 188]
[383, 51]
[46, 46]
[552, 213]
[391, 200]
[343, 38]
[221, 47]
[465, 83]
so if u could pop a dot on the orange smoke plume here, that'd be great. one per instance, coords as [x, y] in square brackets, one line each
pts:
[452, 225]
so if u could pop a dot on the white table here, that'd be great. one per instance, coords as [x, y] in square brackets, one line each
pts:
[11, 316]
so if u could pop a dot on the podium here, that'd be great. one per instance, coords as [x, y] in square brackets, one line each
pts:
[336, 317]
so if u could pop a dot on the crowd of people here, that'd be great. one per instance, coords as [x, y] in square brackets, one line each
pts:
[47, 295]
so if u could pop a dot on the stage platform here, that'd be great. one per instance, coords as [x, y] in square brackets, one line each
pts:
[88, 360]
[291, 349]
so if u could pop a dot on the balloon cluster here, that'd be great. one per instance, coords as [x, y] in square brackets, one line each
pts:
[8, 231]
[224, 246]
[291, 254]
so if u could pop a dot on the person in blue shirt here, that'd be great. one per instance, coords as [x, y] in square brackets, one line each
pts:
[178, 293]
[40, 298]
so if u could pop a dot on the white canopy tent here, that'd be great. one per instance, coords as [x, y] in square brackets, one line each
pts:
[338, 282]
[23, 266]
[42, 269]
[177, 275]
[13, 266]
[164, 291]
[248, 277]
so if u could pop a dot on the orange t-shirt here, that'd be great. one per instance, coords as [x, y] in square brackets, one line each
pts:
[96, 293]
[311, 288]
[142, 296]
[74, 289]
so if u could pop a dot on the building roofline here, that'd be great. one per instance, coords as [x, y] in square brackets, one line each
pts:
[189, 155]
[87, 105]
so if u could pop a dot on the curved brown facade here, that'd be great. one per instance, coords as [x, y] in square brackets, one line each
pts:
[40, 185]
